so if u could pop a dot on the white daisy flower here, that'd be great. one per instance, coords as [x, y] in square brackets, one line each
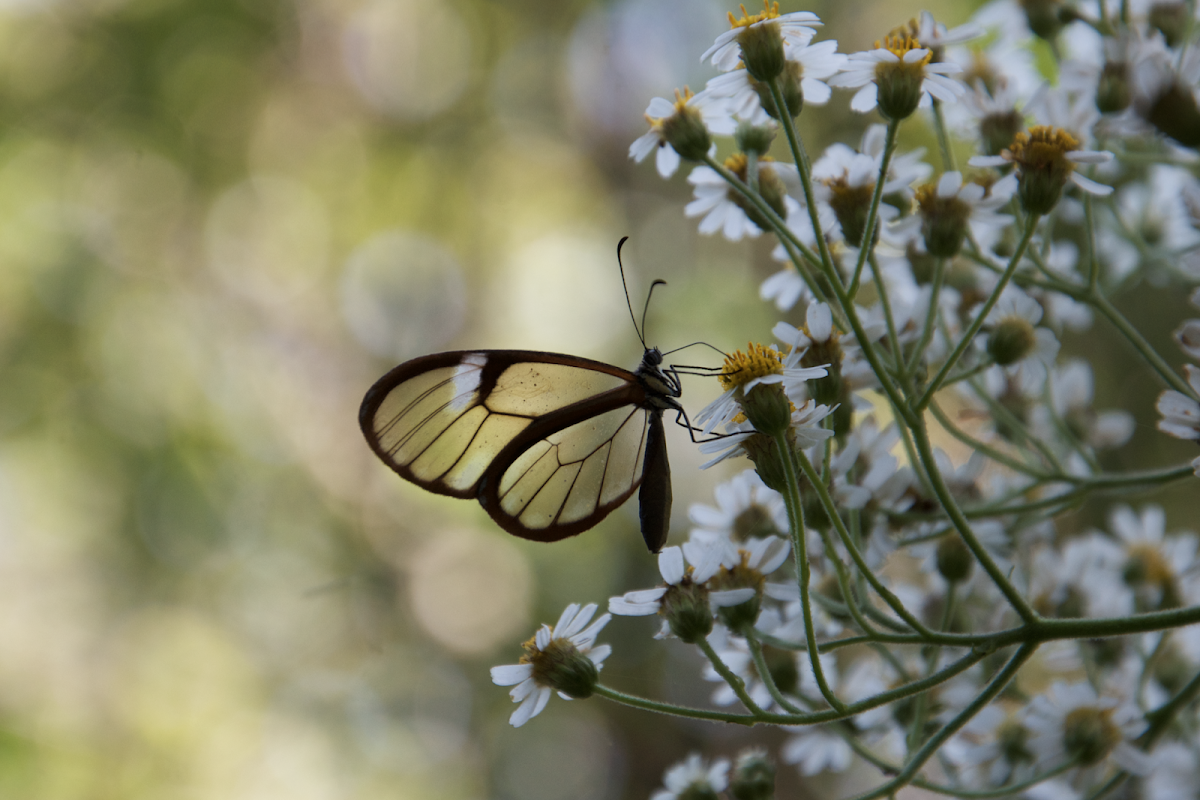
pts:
[694, 778]
[746, 508]
[1011, 334]
[813, 64]
[743, 372]
[898, 77]
[1042, 157]
[542, 671]
[1073, 722]
[796, 29]
[817, 749]
[1180, 413]
[721, 206]
[712, 113]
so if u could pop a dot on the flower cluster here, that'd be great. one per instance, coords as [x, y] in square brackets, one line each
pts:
[924, 565]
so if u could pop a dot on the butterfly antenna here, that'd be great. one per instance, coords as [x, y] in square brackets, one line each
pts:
[645, 308]
[628, 302]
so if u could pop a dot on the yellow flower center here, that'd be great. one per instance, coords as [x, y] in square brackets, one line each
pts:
[1042, 147]
[899, 42]
[757, 362]
[770, 11]
[681, 101]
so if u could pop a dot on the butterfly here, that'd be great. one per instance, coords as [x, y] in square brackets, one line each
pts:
[549, 444]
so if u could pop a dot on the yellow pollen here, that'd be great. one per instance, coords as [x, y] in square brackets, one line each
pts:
[741, 368]
[1155, 569]
[899, 43]
[682, 98]
[770, 11]
[736, 164]
[1041, 146]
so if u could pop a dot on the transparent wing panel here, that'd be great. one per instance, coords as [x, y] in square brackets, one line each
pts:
[530, 388]
[577, 472]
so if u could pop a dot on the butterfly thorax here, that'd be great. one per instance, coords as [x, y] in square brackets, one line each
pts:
[661, 387]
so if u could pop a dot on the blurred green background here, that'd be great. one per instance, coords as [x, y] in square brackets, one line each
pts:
[220, 222]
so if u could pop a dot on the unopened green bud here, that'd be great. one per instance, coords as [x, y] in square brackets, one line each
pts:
[1044, 18]
[1113, 91]
[767, 460]
[1174, 112]
[1011, 340]
[768, 409]
[954, 559]
[754, 138]
[1171, 20]
[996, 131]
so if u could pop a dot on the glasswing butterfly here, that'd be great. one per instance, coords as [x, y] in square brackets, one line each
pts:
[549, 444]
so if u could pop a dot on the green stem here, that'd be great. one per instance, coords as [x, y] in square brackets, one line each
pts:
[950, 505]
[795, 512]
[728, 675]
[764, 672]
[868, 238]
[994, 687]
[981, 317]
[800, 156]
[847, 541]
[935, 290]
[1139, 343]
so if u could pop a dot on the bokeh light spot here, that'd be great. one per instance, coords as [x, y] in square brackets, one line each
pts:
[470, 591]
[402, 295]
[408, 60]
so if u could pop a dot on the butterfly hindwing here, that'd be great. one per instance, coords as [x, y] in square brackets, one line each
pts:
[555, 481]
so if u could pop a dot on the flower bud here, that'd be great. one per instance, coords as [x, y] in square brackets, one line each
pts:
[564, 668]
[1089, 735]
[1174, 112]
[753, 776]
[762, 50]
[789, 87]
[996, 131]
[954, 559]
[1171, 20]
[1113, 91]
[1044, 18]
[754, 138]
[770, 189]
[1012, 340]
[850, 205]
[686, 609]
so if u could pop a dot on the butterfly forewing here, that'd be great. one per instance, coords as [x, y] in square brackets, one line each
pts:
[441, 421]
